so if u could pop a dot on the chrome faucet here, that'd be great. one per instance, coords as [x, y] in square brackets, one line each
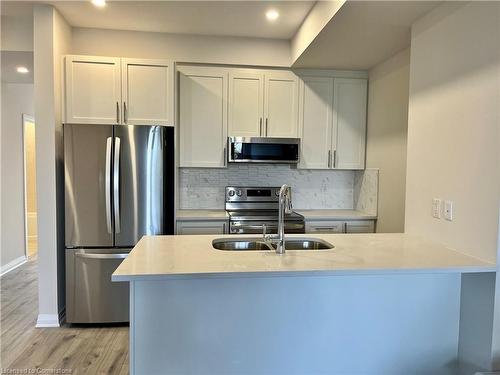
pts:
[285, 207]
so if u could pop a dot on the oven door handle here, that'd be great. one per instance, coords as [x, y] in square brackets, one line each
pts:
[268, 226]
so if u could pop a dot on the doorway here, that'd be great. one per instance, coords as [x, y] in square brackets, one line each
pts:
[30, 204]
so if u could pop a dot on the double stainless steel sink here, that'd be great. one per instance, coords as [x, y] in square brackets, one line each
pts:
[257, 243]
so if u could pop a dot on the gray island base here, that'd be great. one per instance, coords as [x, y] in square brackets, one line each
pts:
[345, 319]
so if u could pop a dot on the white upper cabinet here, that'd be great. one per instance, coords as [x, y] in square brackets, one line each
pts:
[349, 106]
[109, 90]
[147, 92]
[246, 99]
[263, 103]
[202, 116]
[281, 110]
[333, 122]
[316, 122]
[92, 94]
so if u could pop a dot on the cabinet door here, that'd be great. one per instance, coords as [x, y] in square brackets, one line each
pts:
[201, 227]
[349, 107]
[325, 226]
[246, 100]
[147, 92]
[202, 116]
[316, 95]
[92, 90]
[281, 104]
[360, 226]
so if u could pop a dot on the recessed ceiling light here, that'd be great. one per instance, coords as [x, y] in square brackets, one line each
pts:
[272, 14]
[99, 3]
[22, 69]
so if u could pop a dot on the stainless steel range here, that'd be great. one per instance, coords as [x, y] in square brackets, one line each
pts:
[250, 208]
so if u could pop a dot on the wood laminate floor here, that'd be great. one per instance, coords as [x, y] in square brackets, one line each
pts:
[77, 350]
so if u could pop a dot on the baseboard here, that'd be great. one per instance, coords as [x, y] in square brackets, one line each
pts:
[47, 320]
[13, 265]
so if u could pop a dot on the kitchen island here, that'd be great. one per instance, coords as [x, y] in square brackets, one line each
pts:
[375, 303]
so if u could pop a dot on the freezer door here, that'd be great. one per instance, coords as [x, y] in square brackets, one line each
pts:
[91, 296]
[87, 163]
[142, 182]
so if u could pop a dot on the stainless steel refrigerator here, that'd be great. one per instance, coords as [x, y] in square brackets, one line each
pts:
[119, 183]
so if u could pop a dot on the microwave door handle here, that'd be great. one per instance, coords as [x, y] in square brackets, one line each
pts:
[116, 185]
[107, 184]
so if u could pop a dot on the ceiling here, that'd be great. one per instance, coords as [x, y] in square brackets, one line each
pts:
[364, 33]
[225, 18]
[10, 61]
[359, 36]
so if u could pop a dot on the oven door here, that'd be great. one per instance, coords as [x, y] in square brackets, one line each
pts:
[256, 227]
[263, 150]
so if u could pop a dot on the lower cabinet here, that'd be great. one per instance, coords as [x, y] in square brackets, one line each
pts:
[202, 227]
[339, 226]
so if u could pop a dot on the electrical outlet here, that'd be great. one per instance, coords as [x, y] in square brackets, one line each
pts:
[436, 208]
[448, 210]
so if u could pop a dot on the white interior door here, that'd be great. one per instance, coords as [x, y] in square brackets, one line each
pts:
[92, 94]
[202, 116]
[316, 122]
[246, 98]
[148, 92]
[349, 106]
[281, 109]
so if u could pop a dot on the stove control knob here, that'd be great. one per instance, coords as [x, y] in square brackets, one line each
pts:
[238, 193]
[231, 193]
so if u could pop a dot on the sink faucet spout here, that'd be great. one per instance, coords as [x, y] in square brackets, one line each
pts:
[285, 207]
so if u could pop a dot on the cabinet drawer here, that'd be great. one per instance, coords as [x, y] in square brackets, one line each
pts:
[202, 227]
[361, 226]
[325, 226]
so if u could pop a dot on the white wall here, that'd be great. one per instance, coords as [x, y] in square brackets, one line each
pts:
[184, 48]
[52, 40]
[17, 33]
[453, 153]
[453, 126]
[17, 99]
[386, 137]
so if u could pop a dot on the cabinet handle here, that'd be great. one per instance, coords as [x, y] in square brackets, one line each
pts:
[117, 113]
[324, 228]
[334, 158]
[260, 126]
[225, 156]
[266, 126]
[124, 112]
[329, 158]
[223, 228]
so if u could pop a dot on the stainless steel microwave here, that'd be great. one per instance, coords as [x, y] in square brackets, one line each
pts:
[263, 150]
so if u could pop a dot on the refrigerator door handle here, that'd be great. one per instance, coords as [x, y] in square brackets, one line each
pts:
[107, 187]
[102, 256]
[116, 185]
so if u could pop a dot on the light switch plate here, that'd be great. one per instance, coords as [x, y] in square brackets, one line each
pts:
[436, 208]
[448, 210]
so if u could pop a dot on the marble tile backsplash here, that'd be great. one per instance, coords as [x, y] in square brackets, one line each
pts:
[366, 191]
[203, 188]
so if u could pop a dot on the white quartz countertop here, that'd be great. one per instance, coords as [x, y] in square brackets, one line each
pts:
[167, 257]
[336, 215]
[308, 215]
[202, 215]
